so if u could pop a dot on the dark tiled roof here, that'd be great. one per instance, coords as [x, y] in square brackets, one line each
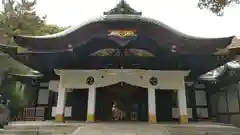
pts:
[110, 18]
[218, 72]
[121, 12]
[15, 67]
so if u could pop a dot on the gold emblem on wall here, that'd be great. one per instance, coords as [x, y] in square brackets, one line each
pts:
[122, 33]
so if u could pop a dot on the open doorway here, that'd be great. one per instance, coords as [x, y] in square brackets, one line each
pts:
[121, 102]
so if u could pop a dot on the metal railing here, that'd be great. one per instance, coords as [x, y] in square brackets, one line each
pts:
[30, 114]
[34, 114]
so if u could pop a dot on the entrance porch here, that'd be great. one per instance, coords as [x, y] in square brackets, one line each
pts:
[141, 98]
[121, 102]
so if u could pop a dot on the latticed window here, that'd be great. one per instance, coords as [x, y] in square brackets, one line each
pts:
[140, 52]
[104, 52]
[126, 52]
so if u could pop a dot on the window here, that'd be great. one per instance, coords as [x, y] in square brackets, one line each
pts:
[104, 52]
[140, 52]
[126, 52]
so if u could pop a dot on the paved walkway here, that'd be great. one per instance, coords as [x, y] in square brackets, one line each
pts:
[121, 129]
[201, 129]
[39, 128]
[111, 128]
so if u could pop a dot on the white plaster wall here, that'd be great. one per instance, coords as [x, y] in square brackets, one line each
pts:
[232, 92]
[43, 95]
[166, 79]
[214, 102]
[53, 85]
[199, 86]
[175, 112]
[44, 84]
[222, 104]
[68, 111]
[201, 98]
[232, 98]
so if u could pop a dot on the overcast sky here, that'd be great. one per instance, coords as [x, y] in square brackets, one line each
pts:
[182, 15]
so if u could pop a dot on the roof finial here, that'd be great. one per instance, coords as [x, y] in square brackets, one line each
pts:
[122, 8]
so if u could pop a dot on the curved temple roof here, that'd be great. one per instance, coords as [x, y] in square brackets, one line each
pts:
[214, 74]
[14, 67]
[122, 12]
[116, 17]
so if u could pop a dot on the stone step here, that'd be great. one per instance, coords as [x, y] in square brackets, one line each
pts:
[26, 132]
[39, 127]
[48, 130]
[203, 133]
[34, 134]
[202, 129]
[187, 133]
[37, 132]
[35, 128]
[205, 130]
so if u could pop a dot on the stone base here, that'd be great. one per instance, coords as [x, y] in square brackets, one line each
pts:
[152, 119]
[59, 118]
[183, 119]
[90, 118]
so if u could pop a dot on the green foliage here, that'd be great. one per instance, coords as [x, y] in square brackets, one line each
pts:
[216, 6]
[20, 18]
[50, 29]
[18, 94]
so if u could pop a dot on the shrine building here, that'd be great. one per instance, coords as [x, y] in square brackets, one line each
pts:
[121, 66]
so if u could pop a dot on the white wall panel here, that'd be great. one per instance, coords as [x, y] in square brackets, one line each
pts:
[201, 98]
[43, 96]
[222, 104]
[199, 86]
[232, 99]
[53, 85]
[214, 103]
[68, 111]
[44, 84]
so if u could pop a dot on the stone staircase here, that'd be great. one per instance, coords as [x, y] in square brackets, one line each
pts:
[38, 129]
[202, 129]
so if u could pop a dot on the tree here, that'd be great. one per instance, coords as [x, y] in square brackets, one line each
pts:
[49, 29]
[17, 94]
[216, 6]
[20, 18]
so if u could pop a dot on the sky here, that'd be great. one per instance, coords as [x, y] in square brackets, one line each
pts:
[182, 15]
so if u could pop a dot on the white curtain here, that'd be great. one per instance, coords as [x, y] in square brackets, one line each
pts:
[166, 80]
